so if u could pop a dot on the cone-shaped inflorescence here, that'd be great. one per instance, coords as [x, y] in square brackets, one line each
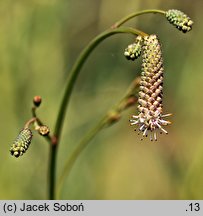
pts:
[179, 19]
[150, 117]
[21, 143]
[133, 51]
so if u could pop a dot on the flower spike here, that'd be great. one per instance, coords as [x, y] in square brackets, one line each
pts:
[133, 51]
[21, 143]
[150, 118]
[179, 19]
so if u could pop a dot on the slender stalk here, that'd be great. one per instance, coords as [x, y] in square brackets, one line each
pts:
[28, 123]
[81, 146]
[35, 118]
[111, 117]
[68, 90]
[52, 168]
[130, 16]
[77, 67]
[52, 155]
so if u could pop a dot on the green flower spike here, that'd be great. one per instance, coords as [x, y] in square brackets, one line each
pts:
[179, 19]
[21, 143]
[133, 51]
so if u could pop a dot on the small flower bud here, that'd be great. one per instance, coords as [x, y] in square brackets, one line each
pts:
[43, 130]
[37, 101]
[179, 19]
[113, 117]
[21, 143]
[130, 101]
[133, 51]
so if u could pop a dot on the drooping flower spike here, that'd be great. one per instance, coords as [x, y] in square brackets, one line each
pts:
[179, 19]
[21, 143]
[150, 118]
[24, 138]
[133, 51]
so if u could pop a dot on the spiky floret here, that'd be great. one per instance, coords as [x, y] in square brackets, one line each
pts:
[133, 51]
[150, 117]
[21, 143]
[179, 19]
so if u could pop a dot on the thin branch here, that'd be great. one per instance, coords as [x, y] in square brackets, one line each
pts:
[66, 97]
[77, 67]
[130, 16]
[109, 119]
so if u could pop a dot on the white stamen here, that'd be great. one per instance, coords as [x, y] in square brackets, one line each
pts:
[161, 128]
[145, 132]
[166, 115]
[134, 116]
[151, 139]
[133, 122]
[141, 128]
[164, 122]
[155, 137]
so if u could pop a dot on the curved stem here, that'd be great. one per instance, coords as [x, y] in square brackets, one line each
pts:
[34, 114]
[68, 90]
[77, 67]
[31, 121]
[130, 16]
[110, 118]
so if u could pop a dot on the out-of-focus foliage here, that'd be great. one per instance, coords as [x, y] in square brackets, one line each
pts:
[39, 42]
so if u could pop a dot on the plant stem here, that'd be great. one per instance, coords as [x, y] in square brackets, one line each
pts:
[68, 90]
[77, 67]
[28, 123]
[52, 168]
[111, 117]
[34, 115]
[130, 16]
[71, 161]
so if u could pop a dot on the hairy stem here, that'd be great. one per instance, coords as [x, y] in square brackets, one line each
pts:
[111, 117]
[130, 16]
[68, 90]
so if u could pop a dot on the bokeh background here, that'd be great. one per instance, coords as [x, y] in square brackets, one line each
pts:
[39, 42]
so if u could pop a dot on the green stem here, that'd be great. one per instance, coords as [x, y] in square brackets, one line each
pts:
[52, 168]
[82, 145]
[130, 16]
[34, 115]
[66, 97]
[110, 118]
[77, 67]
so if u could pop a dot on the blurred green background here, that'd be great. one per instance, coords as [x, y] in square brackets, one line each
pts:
[39, 42]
